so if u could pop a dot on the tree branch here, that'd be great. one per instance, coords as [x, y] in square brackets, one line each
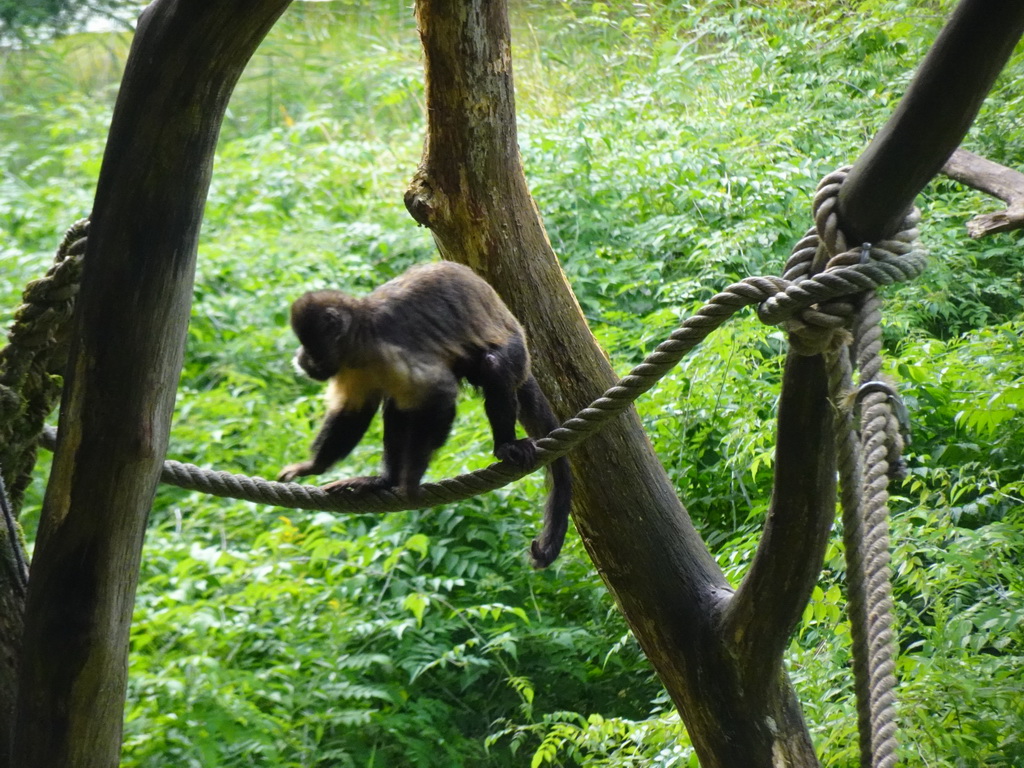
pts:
[992, 179]
[929, 122]
[123, 368]
[770, 601]
[932, 118]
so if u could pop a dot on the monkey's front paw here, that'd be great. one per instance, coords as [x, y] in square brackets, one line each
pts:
[522, 452]
[356, 484]
[292, 471]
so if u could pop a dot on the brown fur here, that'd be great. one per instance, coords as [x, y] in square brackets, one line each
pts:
[407, 345]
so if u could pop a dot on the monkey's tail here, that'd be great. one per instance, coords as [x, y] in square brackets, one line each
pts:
[539, 419]
[545, 548]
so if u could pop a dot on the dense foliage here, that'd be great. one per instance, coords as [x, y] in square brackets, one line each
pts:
[672, 148]
[34, 20]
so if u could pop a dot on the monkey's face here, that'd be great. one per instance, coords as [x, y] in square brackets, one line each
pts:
[320, 319]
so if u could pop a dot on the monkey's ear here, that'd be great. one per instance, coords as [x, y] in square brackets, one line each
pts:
[338, 319]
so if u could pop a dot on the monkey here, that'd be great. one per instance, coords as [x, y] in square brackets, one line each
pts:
[406, 347]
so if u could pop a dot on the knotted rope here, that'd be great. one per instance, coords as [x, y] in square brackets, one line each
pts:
[865, 461]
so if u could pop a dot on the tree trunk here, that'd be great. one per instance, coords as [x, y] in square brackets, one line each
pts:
[718, 653]
[12, 611]
[122, 373]
[471, 192]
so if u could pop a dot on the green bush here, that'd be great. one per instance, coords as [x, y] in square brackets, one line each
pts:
[672, 148]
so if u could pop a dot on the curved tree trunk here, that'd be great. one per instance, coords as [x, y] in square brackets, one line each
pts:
[122, 373]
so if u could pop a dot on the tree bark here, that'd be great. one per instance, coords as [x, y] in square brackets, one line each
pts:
[122, 373]
[769, 603]
[12, 612]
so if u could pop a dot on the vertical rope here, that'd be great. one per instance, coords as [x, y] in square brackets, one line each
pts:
[868, 452]
[848, 458]
[878, 431]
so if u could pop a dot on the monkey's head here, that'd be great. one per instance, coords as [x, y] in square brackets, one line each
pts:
[321, 320]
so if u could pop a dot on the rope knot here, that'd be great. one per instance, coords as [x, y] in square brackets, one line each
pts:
[826, 278]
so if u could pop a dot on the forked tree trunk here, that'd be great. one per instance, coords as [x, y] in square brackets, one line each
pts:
[471, 192]
[718, 653]
[122, 374]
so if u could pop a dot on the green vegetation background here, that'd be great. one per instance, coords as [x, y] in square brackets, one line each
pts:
[672, 148]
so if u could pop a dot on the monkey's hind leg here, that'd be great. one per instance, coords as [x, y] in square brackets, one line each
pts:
[412, 436]
[499, 375]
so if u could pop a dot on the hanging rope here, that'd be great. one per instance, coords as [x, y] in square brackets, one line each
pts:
[867, 542]
[31, 362]
[867, 453]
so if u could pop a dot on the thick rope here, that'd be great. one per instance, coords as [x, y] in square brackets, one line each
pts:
[780, 300]
[34, 356]
[880, 439]
[865, 462]
[863, 470]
